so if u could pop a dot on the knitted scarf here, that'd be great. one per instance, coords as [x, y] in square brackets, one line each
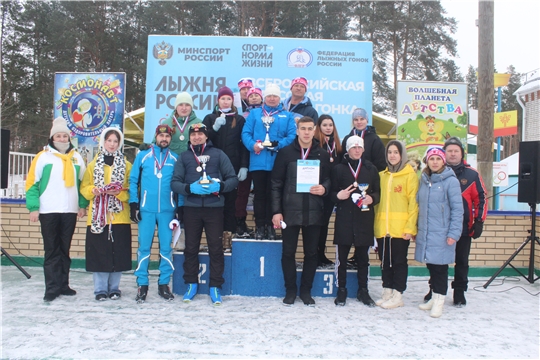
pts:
[68, 172]
[105, 203]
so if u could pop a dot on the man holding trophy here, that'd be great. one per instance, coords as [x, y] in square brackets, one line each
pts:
[267, 130]
[202, 174]
[355, 190]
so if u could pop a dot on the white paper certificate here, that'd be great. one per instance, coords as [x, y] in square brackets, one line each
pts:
[307, 174]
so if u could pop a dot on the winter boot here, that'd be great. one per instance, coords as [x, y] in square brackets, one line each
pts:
[290, 297]
[259, 233]
[363, 296]
[241, 228]
[165, 292]
[227, 240]
[459, 298]
[271, 232]
[438, 304]
[394, 302]
[306, 298]
[427, 305]
[190, 292]
[142, 291]
[386, 295]
[215, 295]
[428, 295]
[341, 297]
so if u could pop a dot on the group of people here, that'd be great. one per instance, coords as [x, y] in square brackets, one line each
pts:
[197, 175]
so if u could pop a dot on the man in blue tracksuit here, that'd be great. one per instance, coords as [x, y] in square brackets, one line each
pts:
[152, 202]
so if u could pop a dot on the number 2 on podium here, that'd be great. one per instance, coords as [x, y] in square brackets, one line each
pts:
[261, 259]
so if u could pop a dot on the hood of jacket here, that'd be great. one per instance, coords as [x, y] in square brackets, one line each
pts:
[434, 178]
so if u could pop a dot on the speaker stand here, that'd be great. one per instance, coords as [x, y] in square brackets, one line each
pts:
[5, 253]
[532, 238]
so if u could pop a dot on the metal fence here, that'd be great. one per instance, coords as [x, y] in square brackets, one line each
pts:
[19, 164]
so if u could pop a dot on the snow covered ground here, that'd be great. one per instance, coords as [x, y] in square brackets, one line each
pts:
[501, 322]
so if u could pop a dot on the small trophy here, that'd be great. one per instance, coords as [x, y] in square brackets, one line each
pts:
[267, 121]
[203, 159]
[363, 188]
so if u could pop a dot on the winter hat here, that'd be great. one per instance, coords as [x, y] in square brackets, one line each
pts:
[225, 91]
[198, 128]
[255, 90]
[454, 141]
[435, 151]
[245, 82]
[107, 130]
[353, 141]
[272, 89]
[60, 126]
[359, 112]
[299, 80]
[402, 152]
[183, 98]
[164, 129]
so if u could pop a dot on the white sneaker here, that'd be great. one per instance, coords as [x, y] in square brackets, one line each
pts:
[394, 302]
[438, 304]
[386, 295]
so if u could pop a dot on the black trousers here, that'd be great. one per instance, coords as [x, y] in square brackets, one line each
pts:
[461, 269]
[242, 197]
[438, 278]
[327, 213]
[211, 219]
[229, 218]
[57, 230]
[361, 256]
[394, 266]
[261, 200]
[310, 236]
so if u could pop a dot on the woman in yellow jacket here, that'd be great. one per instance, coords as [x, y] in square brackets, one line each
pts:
[108, 234]
[395, 223]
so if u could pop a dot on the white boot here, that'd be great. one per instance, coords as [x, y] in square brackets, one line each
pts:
[386, 295]
[394, 302]
[426, 306]
[438, 304]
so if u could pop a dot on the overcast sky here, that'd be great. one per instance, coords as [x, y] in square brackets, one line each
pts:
[517, 33]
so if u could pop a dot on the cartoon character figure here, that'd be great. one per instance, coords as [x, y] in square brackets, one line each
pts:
[431, 130]
[81, 116]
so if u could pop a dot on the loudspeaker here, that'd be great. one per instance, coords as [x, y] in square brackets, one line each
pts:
[4, 159]
[529, 168]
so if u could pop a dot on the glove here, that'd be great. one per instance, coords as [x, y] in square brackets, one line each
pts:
[275, 144]
[242, 174]
[179, 213]
[134, 213]
[478, 227]
[219, 122]
[199, 189]
[144, 146]
[213, 187]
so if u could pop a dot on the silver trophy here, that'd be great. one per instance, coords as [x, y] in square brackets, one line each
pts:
[203, 159]
[267, 121]
[363, 188]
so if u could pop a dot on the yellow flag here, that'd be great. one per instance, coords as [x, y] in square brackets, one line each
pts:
[505, 123]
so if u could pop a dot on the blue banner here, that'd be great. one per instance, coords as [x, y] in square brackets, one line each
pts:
[339, 73]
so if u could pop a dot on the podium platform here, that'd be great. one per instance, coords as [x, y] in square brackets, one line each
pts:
[253, 268]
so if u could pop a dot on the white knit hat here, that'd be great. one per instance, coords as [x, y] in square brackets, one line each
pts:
[272, 89]
[355, 140]
[60, 126]
[183, 98]
[107, 130]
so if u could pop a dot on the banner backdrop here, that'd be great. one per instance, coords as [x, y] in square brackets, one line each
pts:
[90, 102]
[428, 113]
[339, 73]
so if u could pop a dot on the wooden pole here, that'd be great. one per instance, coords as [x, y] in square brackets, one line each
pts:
[486, 70]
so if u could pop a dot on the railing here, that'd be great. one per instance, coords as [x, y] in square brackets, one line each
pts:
[18, 166]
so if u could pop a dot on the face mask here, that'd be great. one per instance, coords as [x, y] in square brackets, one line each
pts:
[61, 146]
[225, 110]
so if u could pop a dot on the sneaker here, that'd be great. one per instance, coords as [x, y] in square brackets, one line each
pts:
[428, 296]
[271, 232]
[165, 292]
[259, 233]
[142, 291]
[341, 297]
[215, 295]
[459, 298]
[49, 297]
[307, 299]
[363, 296]
[191, 292]
[101, 297]
[115, 295]
[290, 298]
[68, 292]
